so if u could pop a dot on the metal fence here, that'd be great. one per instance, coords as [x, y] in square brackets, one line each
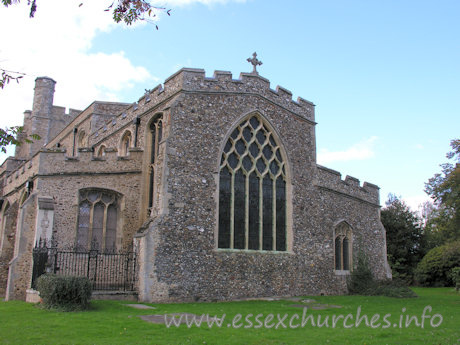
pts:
[107, 271]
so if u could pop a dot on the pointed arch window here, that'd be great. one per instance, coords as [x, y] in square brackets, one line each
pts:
[82, 139]
[125, 143]
[4, 228]
[252, 190]
[156, 135]
[97, 220]
[343, 247]
[101, 151]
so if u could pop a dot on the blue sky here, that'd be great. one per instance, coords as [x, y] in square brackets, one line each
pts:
[384, 75]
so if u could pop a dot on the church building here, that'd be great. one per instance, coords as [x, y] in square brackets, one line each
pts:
[212, 183]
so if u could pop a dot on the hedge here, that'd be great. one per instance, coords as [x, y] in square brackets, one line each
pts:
[64, 292]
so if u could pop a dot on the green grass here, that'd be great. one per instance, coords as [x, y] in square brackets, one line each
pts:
[109, 322]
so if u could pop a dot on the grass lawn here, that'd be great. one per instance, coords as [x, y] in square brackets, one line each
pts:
[110, 322]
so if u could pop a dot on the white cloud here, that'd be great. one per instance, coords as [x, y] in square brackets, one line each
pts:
[359, 151]
[56, 43]
[416, 201]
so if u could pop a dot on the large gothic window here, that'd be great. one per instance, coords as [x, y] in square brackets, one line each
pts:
[156, 134]
[97, 220]
[343, 245]
[252, 190]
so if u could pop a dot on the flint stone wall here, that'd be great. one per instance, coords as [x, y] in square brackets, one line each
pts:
[182, 254]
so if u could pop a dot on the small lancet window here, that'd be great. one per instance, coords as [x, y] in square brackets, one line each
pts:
[156, 135]
[343, 247]
[101, 151]
[125, 144]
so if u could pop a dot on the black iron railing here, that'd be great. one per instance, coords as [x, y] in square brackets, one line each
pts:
[108, 271]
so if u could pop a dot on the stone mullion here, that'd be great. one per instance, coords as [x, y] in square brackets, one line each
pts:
[273, 213]
[341, 252]
[104, 228]
[232, 209]
[246, 211]
[261, 214]
[90, 227]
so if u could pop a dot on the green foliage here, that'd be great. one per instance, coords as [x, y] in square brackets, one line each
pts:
[391, 288]
[14, 136]
[65, 293]
[444, 189]
[362, 282]
[361, 278]
[435, 269]
[455, 274]
[404, 238]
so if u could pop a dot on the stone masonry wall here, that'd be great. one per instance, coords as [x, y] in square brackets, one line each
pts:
[61, 178]
[178, 246]
[20, 267]
[185, 260]
[7, 240]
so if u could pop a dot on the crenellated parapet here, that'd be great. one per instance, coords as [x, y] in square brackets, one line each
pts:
[17, 173]
[57, 162]
[191, 80]
[249, 83]
[332, 180]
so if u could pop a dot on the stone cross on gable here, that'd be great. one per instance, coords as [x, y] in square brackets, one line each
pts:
[254, 62]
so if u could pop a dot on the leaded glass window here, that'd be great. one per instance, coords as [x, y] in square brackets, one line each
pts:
[252, 190]
[342, 244]
[97, 220]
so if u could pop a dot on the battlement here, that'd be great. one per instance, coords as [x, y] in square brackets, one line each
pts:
[53, 160]
[194, 80]
[59, 113]
[222, 81]
[332, 180]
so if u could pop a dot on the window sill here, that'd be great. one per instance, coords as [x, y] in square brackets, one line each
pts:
[342, 272]
[253, 251]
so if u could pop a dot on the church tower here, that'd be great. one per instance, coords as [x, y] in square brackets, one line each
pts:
[41, 112]
[38, 120]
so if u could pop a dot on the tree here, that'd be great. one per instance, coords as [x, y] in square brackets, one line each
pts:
[444, 189]
[127, 11]
[404, 238]
[10, 136]
[7, 76]
[437, 266]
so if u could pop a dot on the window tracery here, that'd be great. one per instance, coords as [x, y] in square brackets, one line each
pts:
[252, 190]
[97, 219]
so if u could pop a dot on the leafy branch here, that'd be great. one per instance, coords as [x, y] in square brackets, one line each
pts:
[7, 76]
[128, 11]
[12, 136]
